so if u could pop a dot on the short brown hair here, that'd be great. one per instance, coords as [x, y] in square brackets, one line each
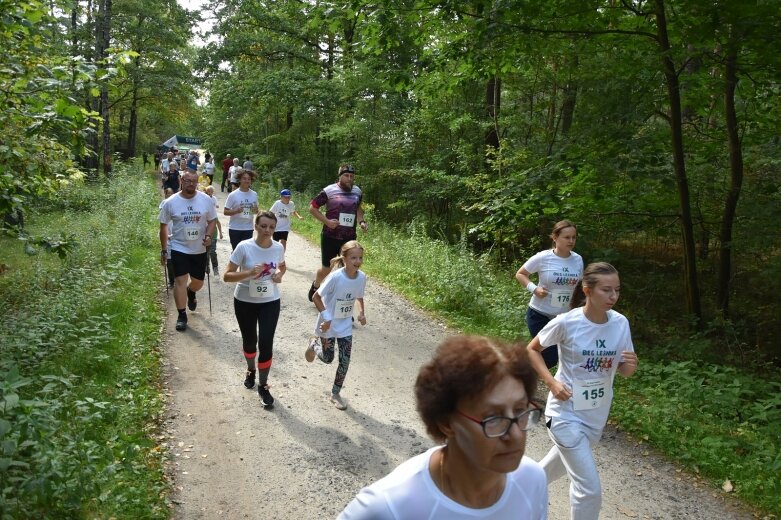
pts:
[467, 366]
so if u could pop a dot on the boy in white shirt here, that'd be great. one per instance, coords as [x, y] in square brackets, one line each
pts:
[283, 209]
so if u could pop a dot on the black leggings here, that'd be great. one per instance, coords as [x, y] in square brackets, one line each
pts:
[257, 322]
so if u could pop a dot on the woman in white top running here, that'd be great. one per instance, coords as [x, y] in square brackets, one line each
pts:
[335, 299]
[594, 343]
[559, 270]
[241, 206]
[257, 266]
[474, 397]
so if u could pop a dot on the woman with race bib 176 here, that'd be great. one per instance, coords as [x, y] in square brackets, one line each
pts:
[594, 342]
[558, 269]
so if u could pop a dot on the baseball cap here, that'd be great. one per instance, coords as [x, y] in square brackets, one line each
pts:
[284, 193]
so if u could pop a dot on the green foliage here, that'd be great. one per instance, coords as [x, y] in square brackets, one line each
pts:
[715, 420]
[78, 374]
[41, 125]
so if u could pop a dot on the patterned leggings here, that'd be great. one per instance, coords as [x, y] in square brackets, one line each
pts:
[326, 354]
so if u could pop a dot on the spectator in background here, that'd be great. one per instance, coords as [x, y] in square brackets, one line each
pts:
[226, 164]
[248, 164]
[208, 169]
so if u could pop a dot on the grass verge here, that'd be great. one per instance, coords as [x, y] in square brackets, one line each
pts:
[79, 367]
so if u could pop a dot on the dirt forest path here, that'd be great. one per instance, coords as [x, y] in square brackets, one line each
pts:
[230, 458]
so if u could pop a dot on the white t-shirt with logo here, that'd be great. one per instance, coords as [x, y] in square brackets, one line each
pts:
[187, 220]
[409, 492]
[283, 212]
[589, 354]
[247, 255]
[559, 276]
[339, 293]
[245, 200]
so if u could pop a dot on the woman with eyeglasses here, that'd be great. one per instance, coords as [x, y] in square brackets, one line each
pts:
[594, 342]
[474, 397]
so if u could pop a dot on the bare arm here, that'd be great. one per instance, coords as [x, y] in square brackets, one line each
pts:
[557, 388]
[523, 278]
[318, 301]
[361, 309]
[315, 212]
[281, 270]
[628, 364]
[361, 221]
[163, 242]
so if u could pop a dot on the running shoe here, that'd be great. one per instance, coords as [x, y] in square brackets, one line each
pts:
[181, 322]
[192, 303]
[312, 291]
[310, 354]
[338, 402]
[265, 396]
[249, 380]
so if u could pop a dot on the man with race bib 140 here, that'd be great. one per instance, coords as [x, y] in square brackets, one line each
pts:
[343, 213]
[192, 217]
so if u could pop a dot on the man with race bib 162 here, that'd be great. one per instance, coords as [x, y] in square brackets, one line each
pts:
[343, 213]
[192, 217]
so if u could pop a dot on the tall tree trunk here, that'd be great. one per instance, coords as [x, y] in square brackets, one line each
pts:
[570, 96]
[91, 102]
[132, 126]
[493, 98]
[736, 180]
[692, 290]
[104, 25]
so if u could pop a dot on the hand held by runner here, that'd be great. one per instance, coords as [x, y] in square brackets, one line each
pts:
[332, 223]
[541, 291]
[559, 390]
[277, 277]
[325, 326]
[362, 319]
[628, 363]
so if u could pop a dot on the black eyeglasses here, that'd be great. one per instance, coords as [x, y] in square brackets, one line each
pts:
[499, 426]
[347, 169]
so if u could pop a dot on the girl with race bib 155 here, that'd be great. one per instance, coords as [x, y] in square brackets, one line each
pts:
[594, 342]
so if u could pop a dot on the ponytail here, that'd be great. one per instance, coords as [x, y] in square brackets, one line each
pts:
[578, 298]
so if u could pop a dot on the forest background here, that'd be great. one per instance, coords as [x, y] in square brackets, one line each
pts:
[652, 124]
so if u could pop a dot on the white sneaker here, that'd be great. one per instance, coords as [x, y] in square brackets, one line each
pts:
[338, 402]
[309, 355]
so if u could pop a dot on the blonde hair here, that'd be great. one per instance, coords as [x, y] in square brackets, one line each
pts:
[338, 261]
